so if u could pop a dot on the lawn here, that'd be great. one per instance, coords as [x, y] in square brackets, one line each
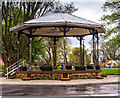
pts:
[1, 65]
[110, 71]
[1, 70]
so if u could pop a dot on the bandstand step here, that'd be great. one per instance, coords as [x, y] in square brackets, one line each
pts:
[26, 79]
[99, 77]
[65, 79]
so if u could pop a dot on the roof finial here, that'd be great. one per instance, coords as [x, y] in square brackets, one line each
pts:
[57, 9]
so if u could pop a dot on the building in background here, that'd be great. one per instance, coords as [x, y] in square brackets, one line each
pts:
[1, 65]
[112, 63]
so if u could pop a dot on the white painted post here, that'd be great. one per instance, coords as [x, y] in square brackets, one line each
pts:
[7, 73]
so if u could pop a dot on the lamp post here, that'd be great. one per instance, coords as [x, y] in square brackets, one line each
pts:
[102, 60]
[93, 31]
[91, 57]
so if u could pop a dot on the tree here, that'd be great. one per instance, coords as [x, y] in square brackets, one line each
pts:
[112, 25]
[15, 13]
[11, 16]
[74, 57]
[61, 53]
[64, 50]
[47, 56]
[110, 50]
[112, 21]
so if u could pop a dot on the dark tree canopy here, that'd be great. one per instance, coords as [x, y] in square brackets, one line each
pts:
[111, 21]
[15, 13]
[112, 25]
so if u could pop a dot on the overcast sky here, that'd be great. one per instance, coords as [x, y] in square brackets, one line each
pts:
[88, 9]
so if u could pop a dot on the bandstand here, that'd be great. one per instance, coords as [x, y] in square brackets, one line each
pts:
[60, 24]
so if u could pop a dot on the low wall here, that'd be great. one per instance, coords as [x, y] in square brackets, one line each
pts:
[58, 74]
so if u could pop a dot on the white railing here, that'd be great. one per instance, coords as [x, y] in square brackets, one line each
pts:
[14, 64]
[13, 68]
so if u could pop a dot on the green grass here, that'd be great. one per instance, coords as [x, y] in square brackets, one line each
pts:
[1, 70]
[110, 71]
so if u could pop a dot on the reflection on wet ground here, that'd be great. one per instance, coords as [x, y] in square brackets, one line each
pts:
[35, 90]
[113, 76]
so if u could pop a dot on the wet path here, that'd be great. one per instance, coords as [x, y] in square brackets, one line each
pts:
[38, 90]
[21, 90]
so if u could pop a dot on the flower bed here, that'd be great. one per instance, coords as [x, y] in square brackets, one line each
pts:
[46, 68]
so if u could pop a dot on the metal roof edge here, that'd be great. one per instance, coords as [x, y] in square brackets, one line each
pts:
[83, 18]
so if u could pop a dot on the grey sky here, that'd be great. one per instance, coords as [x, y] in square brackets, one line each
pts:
[87, 9]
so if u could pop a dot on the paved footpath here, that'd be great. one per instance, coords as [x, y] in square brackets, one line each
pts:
[106, 80]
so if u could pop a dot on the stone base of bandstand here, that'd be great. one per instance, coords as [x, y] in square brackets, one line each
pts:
[58, 74]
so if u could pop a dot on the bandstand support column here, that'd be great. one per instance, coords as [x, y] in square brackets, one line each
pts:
[64, 51]
[97, 49]
[93, 38]
[30, 47]
[83, 52]
[64, 45]
[80, 50]
[80, 39]
[54, 57]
